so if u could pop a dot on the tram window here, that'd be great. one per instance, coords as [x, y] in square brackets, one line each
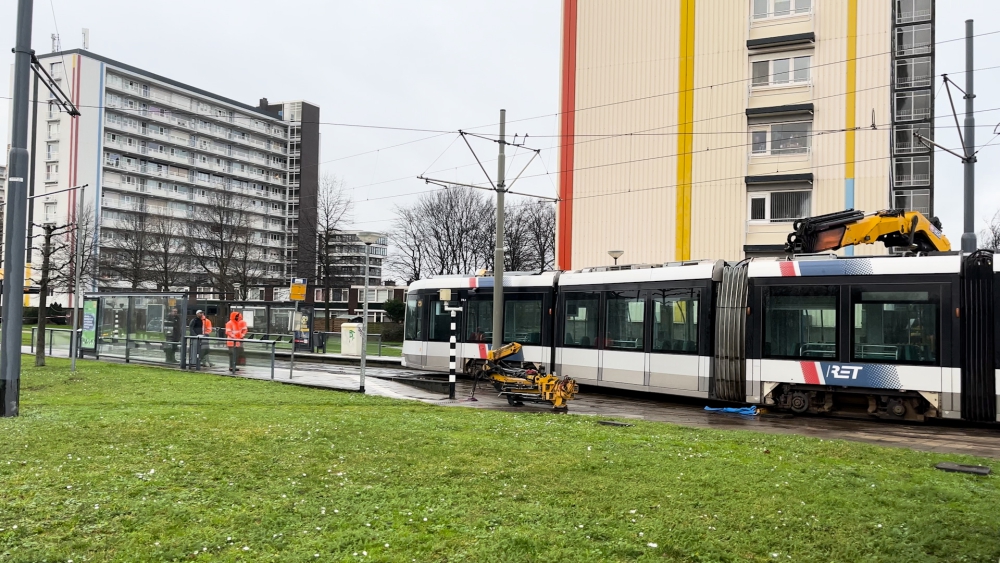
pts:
[625, 313]
[440, 329]
[895, 326]
[800, 322]
[581, 327]
[414, 318]
[478, 321]
[675, 321]
[522, 319]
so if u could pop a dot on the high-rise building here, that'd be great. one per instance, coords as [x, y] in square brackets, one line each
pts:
[703, 128]
[347, 259]
[234, 183]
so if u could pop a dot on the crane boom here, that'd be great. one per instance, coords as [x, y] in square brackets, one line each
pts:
[894, 227]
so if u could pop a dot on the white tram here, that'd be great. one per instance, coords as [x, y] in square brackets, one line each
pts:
[896, 337]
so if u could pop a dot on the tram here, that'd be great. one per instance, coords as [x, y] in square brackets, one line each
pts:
[894, 337]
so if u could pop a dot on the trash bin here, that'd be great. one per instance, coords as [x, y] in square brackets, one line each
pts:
[350, 339]
[319, 339]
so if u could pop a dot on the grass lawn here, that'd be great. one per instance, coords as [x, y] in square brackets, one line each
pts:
[128, 463]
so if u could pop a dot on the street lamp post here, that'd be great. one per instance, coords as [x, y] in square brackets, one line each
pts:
[369, 238]
[616, 254]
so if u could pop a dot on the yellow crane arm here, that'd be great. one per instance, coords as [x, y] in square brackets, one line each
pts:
[894, 228]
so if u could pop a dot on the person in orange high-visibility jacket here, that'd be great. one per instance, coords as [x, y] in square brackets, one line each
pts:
[236, 330]
[206, 327]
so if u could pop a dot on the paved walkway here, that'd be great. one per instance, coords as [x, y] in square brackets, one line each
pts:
[943, 437]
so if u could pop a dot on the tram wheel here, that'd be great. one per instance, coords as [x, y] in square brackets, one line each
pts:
[799, 402]
[897, 408]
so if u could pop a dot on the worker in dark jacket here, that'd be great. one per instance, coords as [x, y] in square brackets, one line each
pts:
[172, 330]
[197, 328]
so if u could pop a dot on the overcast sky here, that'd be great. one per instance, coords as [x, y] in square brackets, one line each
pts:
[427, 64]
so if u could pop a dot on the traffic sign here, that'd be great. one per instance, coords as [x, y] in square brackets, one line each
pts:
[297, 291]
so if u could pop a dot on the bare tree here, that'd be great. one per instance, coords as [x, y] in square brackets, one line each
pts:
[333, 208]
[222, 228]
[453, 231]
[129, 255]
[53, 244]
[248, 266]
[989, 238]
[539, 218]
[407, 246]
[169, 263]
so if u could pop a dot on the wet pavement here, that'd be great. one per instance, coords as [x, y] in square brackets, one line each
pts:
[942, 437]
[935, 436]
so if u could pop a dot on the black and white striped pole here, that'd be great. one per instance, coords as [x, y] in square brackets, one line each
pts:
[445, 295]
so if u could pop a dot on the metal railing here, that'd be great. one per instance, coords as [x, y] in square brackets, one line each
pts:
[209, 351]
[55, 339]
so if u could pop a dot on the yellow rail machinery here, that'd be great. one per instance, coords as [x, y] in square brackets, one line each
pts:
[895, 228]
[519, 384]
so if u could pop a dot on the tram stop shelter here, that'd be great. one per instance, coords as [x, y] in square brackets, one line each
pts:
[153, 328]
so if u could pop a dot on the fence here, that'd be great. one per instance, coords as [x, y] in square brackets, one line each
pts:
[55, 339]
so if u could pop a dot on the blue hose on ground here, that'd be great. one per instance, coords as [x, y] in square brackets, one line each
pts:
[749, 411]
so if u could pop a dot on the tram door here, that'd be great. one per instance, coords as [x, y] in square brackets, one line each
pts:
[577, 356]
[979, 390]
[622, 359]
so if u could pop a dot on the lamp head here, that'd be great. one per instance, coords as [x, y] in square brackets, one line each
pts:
[616, 254]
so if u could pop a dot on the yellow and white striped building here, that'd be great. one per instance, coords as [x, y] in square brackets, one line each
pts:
[701, 128]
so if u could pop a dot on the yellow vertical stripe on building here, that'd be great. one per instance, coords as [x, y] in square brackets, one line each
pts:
[685, 137]
[852, 86]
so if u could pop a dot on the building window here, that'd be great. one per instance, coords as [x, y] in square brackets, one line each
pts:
[780, 138]
[51, 172]
[912, 171]
[51, 151]
[763, 9]
[913, 73]
[911, 106]
[910, 11]
[912, 200]
[792, 70]
[895, 326]
[782, 206]
[913, 40]
[54, 130]
[50, 212]
[905, 143]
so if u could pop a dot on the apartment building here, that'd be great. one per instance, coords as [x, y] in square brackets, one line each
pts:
[347, 255]
[703, 128]
[152, 147]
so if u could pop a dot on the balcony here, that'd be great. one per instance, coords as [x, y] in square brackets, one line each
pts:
[787, 94]
[781, 20]
[767, 233]
[779, 162]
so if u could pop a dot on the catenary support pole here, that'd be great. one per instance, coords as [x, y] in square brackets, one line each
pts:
[295, 320]
[364, 323]
[15, 219]
[969, 242]
[451, 359]
[74, 343]
[498, 253]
